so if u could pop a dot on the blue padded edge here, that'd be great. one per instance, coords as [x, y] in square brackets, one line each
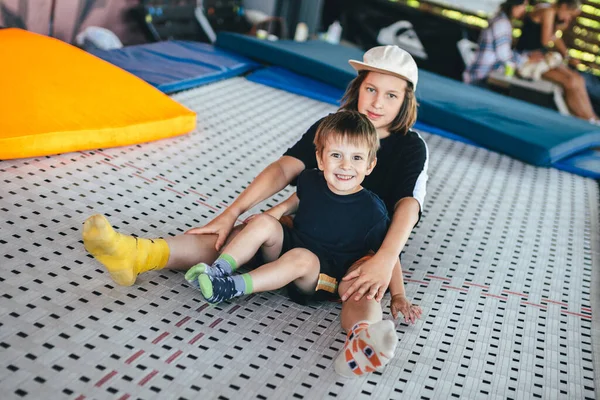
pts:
[281, 78]
[522, 130]
[177, 65]
[585, 164]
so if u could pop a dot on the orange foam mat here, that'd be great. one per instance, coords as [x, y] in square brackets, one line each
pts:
[57, 98]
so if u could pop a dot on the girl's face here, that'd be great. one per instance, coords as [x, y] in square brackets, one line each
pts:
[566, 13]
[380, 98]
[518, 12]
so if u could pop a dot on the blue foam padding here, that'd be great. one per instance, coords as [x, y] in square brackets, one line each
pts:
[522, 130]
[586, 163]
[177, 65]
[284, 79]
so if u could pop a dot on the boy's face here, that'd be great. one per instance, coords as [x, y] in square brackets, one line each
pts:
[344, 165]
[379, 98]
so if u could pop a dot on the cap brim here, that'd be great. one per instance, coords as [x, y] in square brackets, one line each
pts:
[361, 66]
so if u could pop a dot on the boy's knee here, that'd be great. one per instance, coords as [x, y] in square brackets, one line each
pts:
[264, 221]
[303, 258]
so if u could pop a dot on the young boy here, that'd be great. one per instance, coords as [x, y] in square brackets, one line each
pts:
[336, 223]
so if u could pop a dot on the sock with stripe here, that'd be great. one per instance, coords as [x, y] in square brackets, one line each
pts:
[125, 257]
[368, 348]
[216, 289]
[223, 266]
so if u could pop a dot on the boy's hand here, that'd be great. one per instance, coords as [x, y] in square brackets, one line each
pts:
[220, 226]
[411, 312]
[372, 279]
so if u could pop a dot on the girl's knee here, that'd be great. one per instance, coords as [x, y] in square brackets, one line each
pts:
[575, 81]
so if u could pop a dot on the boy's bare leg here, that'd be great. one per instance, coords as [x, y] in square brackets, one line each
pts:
[262, 232]
[297, 265]
[370, 341]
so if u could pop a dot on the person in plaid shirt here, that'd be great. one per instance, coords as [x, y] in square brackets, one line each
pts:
[495, 44]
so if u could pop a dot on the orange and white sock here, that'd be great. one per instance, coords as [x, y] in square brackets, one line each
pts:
[368, 348]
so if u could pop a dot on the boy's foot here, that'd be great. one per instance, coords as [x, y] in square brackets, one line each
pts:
[123, 256]
[223, 266]
[368, 348]
[217, 289]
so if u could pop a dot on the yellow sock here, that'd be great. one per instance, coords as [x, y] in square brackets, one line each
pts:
[123, 256]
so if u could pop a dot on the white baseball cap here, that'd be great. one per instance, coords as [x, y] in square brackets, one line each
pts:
[390, 60]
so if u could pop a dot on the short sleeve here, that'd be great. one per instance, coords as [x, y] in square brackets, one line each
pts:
[410, 172]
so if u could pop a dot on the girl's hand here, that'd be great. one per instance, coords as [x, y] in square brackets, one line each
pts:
[372, 279]
[411, 312]
[220, 226]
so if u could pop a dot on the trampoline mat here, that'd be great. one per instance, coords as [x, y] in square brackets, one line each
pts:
[501, 264]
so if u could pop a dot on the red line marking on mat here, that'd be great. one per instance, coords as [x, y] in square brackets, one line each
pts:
[166, 180]
[133, 166]
[535, 305]
[84, 156]
[223, 204]
[106, 378]
[104, 154]
[81, 397]
[174, 356]
[161, 337]
[586, 309]
[416, 281]
[577, 314]
[456, 288]
[146, 179]
[125, 396]
[175, 191]
[560, 303]
[438, 278]
[207, 205]
[183, 321]
[148, 377]
[515, 293]
[196, 338]
[111, 164]
[234, 309]
[477, 284]
[202, 307]
[217, 322]
[199, 194]
[134, 357]
[494, 295]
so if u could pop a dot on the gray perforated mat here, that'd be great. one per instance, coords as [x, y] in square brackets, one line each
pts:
[501, 265]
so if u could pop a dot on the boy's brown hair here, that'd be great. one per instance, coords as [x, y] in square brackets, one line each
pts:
[405, 119]
[351, 126]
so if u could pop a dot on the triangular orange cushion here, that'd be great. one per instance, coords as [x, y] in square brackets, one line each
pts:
[56, 98]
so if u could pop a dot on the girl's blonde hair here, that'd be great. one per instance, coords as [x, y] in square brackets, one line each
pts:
[407, 116]
[350, 126]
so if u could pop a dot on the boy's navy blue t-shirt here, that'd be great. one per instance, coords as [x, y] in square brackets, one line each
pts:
[341, 227]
